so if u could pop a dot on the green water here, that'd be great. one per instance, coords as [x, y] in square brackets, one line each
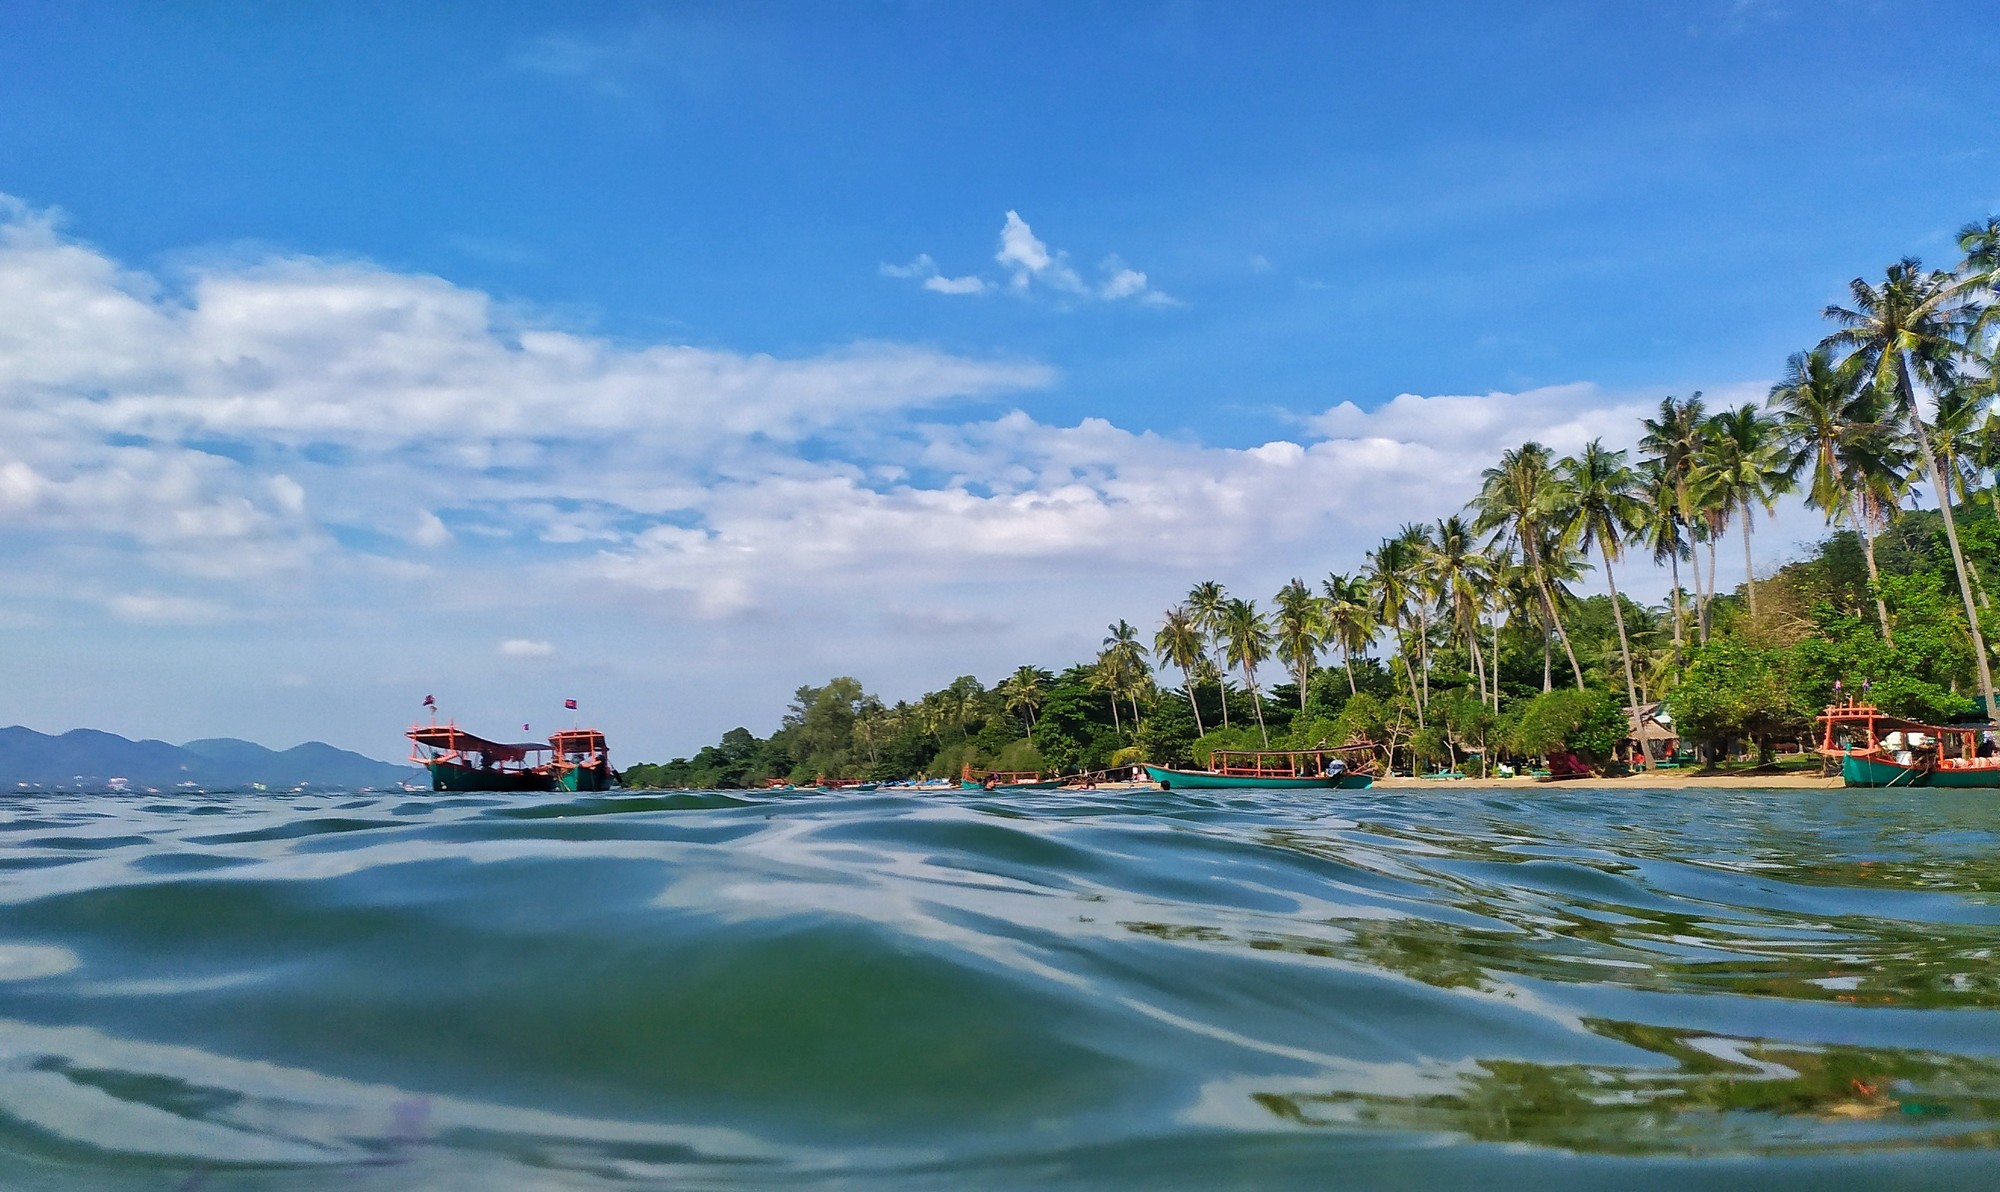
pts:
[1429, 989]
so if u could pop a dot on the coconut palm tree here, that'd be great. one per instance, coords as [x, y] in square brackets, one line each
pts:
[1299, 621]
[1662, 531]
[1389, 574]
[1107, 674]
[1746, 468]
[1460, 573]
[1600, 507]
[1350, 620]
[1205, 601]
[1123, 645]
[1180, 642]
[1673, 443]
[1834, 426]
[1247, 635]
[1022, 692]
[1914, 329]
[1514, 504]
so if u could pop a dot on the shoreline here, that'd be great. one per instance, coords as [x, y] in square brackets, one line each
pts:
[1649, 780]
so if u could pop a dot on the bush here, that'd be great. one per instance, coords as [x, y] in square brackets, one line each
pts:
[1591, 723]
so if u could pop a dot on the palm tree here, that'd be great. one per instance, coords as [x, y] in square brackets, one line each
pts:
[1915, 327]
[1300, 623]
[1205, 601]
[1022, 692]
[1662, 531]
[1179, 641]
[1349, 619]
[1123, 645]
[1833, 426]
[1514, 504]
[1107, 675]
[1248, 637]
[1673, 443]
[1746, 468]
[1389, 575]
[1602, 508]
[1461, 573]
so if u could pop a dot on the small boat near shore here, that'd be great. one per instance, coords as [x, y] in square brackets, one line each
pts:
[1282, 769]
[1875, 749]
[1005, 780]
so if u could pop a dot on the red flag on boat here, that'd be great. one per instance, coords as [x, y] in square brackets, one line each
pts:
[570, 704]
[430, 701]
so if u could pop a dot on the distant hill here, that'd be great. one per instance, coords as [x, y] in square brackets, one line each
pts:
[86, 759]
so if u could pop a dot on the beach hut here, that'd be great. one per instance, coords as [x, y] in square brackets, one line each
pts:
[1650, 728]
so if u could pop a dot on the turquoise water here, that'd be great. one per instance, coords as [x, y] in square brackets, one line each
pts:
[1421, 989]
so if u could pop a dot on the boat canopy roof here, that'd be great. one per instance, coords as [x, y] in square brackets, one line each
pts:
[576, 740]
[455, 739]
[1870, 714]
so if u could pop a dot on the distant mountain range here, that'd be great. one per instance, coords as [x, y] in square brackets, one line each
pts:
[88, 760]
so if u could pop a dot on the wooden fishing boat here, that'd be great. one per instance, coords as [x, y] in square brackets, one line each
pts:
[462, 761]
[1879, 750]
[581, 761]
[1282, 769]
[1005, 780]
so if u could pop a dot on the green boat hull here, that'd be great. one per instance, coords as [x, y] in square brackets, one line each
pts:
[584, 778]
[445, 776]
[1856, 770]
[1202, 779]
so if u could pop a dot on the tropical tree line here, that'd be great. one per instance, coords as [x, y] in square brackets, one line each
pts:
[1469, 636]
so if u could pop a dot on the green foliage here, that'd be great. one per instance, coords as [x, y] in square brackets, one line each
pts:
[1589, 722]
[1236, 736]
[1735, 690]
[1075, 730]
[1167, 736]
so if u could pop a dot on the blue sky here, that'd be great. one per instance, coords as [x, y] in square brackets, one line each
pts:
[670, 356]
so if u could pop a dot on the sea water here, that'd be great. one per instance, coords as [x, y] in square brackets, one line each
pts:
[1539, 986]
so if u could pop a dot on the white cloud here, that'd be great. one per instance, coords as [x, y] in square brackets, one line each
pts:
[1031, 265]
[925, 271]
[521, 647]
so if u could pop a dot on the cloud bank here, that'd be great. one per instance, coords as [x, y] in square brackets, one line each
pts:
[292, 441]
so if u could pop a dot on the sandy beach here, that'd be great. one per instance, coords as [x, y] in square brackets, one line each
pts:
[1653, 780]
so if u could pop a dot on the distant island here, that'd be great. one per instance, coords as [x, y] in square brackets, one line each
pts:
[89, 760]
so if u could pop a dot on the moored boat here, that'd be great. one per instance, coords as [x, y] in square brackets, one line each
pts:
[1282, 769]
[571, 760]
[1875, 749]
[581, 762]
[1005, 780]
[463, 761]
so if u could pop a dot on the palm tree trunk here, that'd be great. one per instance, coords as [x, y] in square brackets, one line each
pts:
[1198, 730]
[1117, 724]
[1749, 579]
[1555, 618]
[1257, 702]
[1866, 522]
[1700, 611]
[1624, 649]
[1496, 663]
[1403, 648]
[1349, 655]
[1478, 664]
[1674, 566]
[1951, 537]
[1708, 604]
[1548, 663]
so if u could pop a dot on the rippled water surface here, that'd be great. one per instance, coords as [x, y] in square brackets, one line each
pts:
[1417, 989]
